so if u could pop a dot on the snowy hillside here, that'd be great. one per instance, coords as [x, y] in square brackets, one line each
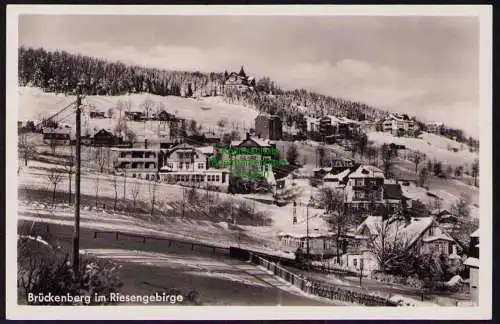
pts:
[35, 104]
[433, 146]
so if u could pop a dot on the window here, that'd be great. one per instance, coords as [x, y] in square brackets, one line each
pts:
[133, 175]
[355, 262]
[147, 177]
[200, 166]
[181, 164]
[170, 165]
[431, 231]
[217, 178]
[187, 166]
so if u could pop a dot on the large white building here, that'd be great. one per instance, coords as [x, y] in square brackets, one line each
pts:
[139, 163]
[399, 124]
[188, 165]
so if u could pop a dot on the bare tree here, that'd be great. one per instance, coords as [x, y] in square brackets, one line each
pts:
[391, 246]
[461, 209]
[339, 221]
[135, 190]
[147, 106]
[416, 158]
[114, 183]
[387, 155]
[26, 149]
[111, 112]
[153, 187]
[53, 146]
[100, 158]
[54, 178]
[422, 177]
[475, 171]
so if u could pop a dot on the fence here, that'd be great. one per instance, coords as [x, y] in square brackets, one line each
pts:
[193, 246]
[320, 288]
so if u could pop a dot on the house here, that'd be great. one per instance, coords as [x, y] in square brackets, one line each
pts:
[421, 235]
[210, 138]
[139, 163]
[134, 115]
[338, 180]
[312, 124]
[188, 165]
[397, 124]
[248, 156]
[472, 263]
[164, 116]
[364, 189]
[238, 82]
[269, 126]
[393, 197]
[434, 127]
[320, 244]
[57, 136]
[97, 114]
[104, 137]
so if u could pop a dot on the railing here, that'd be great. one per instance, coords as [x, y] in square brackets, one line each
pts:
[193, 246]
[321, 289]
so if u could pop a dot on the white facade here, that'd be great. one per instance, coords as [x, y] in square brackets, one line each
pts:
[188, 166]
[394, 123]
[137, 163]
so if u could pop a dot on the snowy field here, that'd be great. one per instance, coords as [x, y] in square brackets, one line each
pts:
[433, 146]
[35, 177]
[34, 103]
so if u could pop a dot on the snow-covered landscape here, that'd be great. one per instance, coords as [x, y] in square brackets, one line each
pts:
[222, 162]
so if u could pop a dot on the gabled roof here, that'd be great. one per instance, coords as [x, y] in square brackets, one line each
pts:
[396, 229]
[367, 171]
[472, 262]
[393, 191]
[258, 141]
[339, 176]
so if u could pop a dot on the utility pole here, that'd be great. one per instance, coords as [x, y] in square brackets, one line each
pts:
[76, 233]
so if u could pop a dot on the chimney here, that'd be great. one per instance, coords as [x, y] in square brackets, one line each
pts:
[248, 136]
[145, 143]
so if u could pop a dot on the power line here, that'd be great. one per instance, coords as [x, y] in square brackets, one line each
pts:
[57, 113]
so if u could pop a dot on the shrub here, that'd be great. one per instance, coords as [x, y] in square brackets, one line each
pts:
[43, 269]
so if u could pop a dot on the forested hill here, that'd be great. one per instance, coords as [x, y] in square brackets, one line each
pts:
[60, 71]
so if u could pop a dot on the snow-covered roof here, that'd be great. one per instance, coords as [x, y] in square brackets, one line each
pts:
[51, 130]
[301, 235]
[367, 171]
[475, 234]
[207, 149]
[472, 262]
[396, 229]
[339, 176]
[442, 236]
[259, 141]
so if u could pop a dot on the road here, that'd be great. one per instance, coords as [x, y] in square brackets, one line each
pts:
[153, 267]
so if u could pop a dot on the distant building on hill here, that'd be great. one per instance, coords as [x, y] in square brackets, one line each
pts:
[58, 136]
[238, 82]
[400, 125]
[434, 127]
[269, 126]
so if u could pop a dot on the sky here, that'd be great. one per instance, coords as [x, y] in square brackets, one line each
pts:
[424, 66]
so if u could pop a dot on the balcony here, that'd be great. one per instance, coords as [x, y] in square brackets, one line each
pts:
[130, 158]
